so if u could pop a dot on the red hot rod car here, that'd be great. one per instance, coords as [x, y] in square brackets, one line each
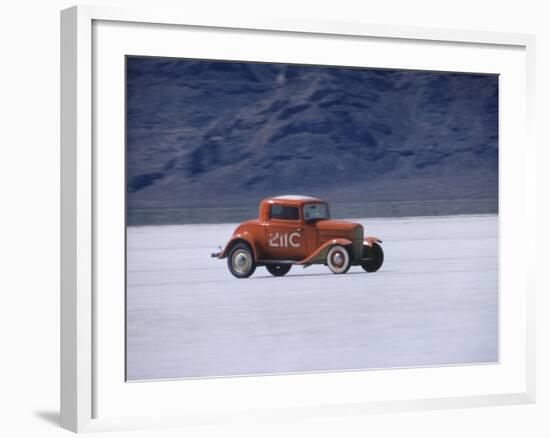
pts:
[297, 230]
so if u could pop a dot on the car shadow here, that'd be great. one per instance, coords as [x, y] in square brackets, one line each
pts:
[307, 275]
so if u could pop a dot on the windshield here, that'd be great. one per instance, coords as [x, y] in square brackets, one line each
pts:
[316, 211]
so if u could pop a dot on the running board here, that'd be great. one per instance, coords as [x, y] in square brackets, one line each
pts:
[293, 262]
[277, 262]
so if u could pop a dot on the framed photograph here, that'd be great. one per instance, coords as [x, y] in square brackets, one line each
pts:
[283, 218]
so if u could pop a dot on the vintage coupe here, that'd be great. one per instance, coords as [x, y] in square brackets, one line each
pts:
[297, 230]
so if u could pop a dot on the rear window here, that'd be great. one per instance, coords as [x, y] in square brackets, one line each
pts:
[284, 212]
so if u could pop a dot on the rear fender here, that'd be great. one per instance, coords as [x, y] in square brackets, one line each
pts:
[321, 252]
[240, 237]
[369, 241]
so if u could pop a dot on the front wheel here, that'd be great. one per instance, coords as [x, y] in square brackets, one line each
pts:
[278, 270]
[338, 259]
[375, 255]
[241, 261]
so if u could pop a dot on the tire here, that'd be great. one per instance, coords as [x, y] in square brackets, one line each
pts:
[240, 261]
[377, 258]
[338, 259]
[278, 270]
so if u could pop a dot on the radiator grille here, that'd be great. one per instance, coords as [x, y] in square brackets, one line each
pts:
[357, 239]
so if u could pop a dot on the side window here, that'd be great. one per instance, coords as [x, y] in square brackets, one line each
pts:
[284, 212]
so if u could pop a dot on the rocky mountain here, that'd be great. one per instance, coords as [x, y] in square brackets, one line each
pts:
[207, 133]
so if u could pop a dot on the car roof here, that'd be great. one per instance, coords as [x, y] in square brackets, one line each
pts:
[293, 199]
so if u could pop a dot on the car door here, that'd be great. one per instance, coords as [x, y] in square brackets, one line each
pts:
[285, 238]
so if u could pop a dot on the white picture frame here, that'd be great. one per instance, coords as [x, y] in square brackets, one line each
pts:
[93, 396]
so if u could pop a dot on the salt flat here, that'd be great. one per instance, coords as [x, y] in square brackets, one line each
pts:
[434, 302]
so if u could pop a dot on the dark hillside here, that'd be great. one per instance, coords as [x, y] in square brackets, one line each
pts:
[203, 134]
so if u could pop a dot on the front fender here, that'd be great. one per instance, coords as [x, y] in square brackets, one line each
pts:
[246, 237]
[320, 253]
[369, 241]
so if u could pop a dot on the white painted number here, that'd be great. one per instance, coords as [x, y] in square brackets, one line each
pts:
[294, 236]
[283, 240]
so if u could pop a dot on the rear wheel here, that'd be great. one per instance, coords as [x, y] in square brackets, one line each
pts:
[278, 270]
[375, 255]
[240, 261]
[338, 259]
